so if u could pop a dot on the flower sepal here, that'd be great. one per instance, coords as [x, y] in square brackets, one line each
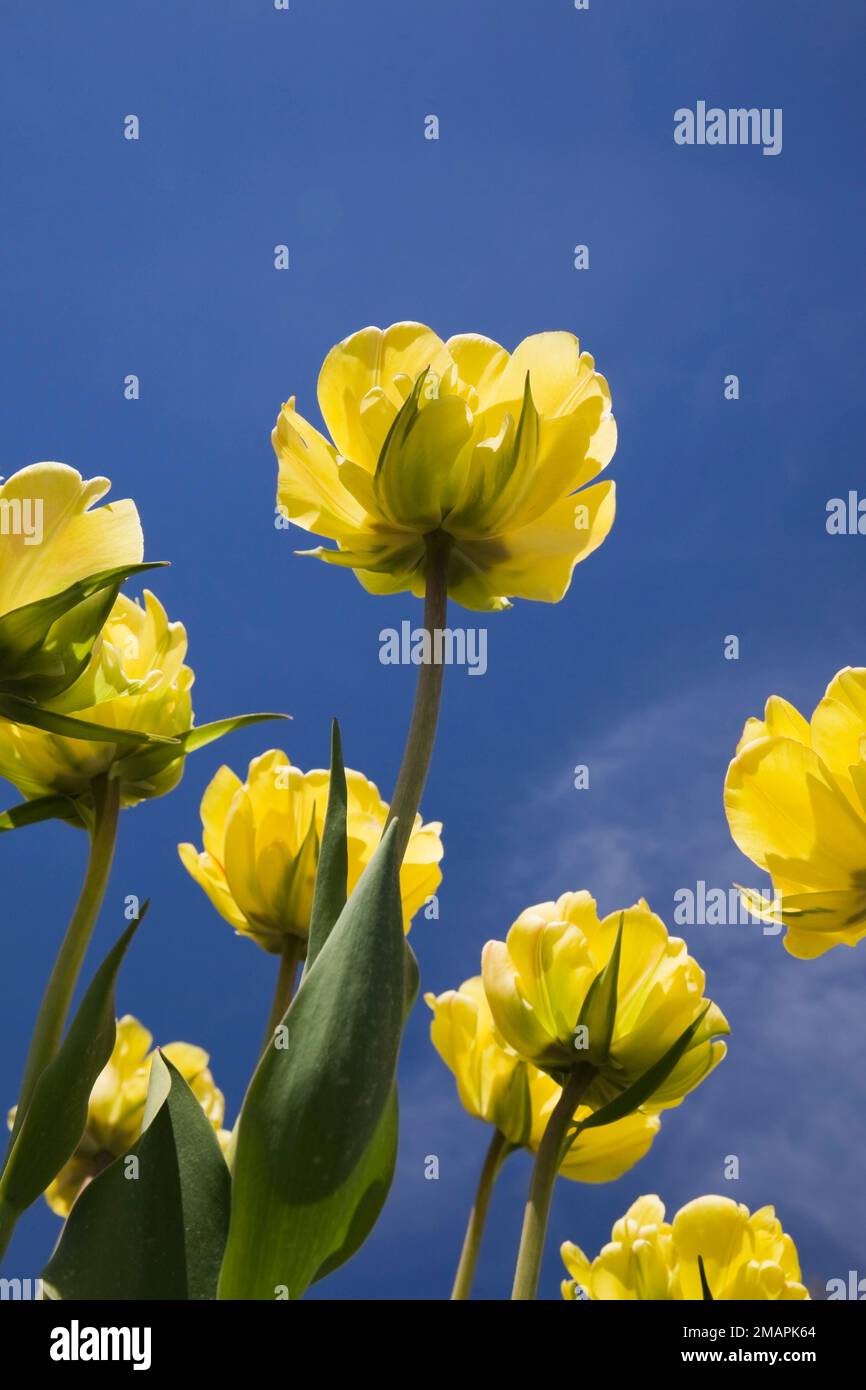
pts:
[45, 645]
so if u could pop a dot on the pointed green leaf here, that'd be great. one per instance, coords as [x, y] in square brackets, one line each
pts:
[57, 1115]
[39, 809]
[642, 1090]
[44, 646]
[161, 1234]
[144, 764]
[20, 711]
[598, 1014]
[203, 734]
[332, 874]
[316, 1102]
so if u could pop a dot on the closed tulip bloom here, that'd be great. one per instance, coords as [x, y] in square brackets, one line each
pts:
[136, 680]
[538, 979]
[491, 449]
[52, 535]
[496, 1085]
[745, 1257]
[795, 797]
[261, 847]
[117, 1103]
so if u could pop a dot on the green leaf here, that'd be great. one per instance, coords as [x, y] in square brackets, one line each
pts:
[40, 662]
[314, 1107]
[39, 809]
[21, 711]
[373, 1178]
[640, 1091]
[159, 1235]
[57, 1115]
[598, 1014]
[203, 734]
[705, 1288]
[332, 874]
[147, 763]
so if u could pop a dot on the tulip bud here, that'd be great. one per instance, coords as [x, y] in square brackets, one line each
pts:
[261, 847]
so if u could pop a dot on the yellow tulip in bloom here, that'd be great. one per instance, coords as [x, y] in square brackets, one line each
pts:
[459, 438]
[52, 536]
[795, 796]
[745, 1257]
[117, 1102]
[135, 680]
[261, 847]
[538, 980]
[498, 1086]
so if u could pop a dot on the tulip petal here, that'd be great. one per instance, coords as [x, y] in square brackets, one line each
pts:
[537, 561]
[782, 803]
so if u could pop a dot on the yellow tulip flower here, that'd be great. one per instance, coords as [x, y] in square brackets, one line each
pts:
[136, 680]
[538, 979]
[498, 1086]
[745, 1257]
[117, 1102]
[795, 797]
[52, 537]
[261, 847]
[456, 437]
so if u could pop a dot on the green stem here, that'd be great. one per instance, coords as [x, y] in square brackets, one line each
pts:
[53, 1011]
[497, 1153]
[292, 954]
[544, 1172]
[428, 695]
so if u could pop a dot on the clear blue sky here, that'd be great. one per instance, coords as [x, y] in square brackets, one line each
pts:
[156, 257]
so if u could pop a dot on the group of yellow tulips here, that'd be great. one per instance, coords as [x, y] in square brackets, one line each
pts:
[450, 470]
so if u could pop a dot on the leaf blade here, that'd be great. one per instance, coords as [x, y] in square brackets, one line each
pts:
[332, 874]
[161, 1235]
[56, 1117]
[324, 1094]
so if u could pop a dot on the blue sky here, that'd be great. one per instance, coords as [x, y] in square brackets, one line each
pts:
[155, 257]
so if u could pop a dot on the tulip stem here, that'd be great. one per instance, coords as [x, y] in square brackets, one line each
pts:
[497, 1153]
[544, 1172]
[293, 950]
[428, 695]
[53, 1011]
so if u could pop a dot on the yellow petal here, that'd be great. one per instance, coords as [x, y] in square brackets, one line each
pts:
[537, 561]
[310, 489]
[784, 806]
[77, 538]
[366, 360]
